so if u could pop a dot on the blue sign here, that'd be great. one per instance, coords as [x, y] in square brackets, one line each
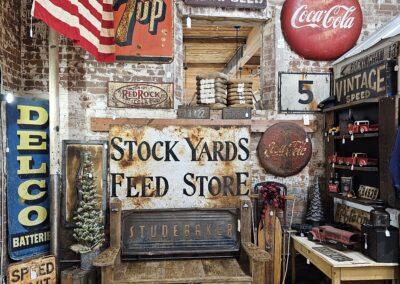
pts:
[28, 199]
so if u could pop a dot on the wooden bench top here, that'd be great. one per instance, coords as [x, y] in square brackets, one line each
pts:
[181, 271]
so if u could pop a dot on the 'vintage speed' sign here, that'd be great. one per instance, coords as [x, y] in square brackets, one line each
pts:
[302, 92]
[321, 30]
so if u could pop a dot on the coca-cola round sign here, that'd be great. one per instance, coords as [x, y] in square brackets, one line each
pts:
[321, 30]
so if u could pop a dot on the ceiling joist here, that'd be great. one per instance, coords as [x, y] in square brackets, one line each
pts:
[253, 44]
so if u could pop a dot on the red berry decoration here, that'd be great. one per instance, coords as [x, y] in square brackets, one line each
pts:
[271, 195]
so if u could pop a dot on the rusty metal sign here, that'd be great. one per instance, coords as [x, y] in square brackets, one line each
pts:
[39, 270]
[302, 92]
[179, 167]
[284, 149]
[247, 4]
[144, 30]
[352, 216]
[388, 52]
[193, 112]
[179, 232]
[141, 95]
[374, 81]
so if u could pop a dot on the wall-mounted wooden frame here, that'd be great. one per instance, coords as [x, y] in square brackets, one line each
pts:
[71, 150]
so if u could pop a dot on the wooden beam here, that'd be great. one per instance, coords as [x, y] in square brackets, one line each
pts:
[222, 39]
[103, 124]
[253, 61]
[253, 44]
[206, 65]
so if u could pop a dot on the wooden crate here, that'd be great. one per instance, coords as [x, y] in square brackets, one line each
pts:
[75, 275]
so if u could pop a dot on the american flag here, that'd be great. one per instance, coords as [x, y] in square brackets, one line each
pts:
[89, 23]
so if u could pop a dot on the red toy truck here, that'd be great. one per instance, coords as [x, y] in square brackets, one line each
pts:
[333, 235]
[335, 159]
[361, 160]
[361, 126]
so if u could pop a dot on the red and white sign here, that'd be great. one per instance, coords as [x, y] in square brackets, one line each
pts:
[321, 30]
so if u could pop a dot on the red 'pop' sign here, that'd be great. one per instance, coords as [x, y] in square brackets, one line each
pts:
[321, 30]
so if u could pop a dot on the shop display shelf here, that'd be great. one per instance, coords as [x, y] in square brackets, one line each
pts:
[357, 136]
[362, 169]
[358, 200]
[352, 104]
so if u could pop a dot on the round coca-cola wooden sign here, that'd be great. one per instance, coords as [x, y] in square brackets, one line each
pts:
[284, 149]
[321, 30]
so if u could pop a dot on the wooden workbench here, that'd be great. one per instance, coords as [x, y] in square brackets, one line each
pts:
[360, 268]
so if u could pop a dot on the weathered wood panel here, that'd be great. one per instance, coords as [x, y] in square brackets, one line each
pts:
[389, 122]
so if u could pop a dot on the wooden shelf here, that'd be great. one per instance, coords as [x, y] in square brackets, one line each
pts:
[356, 136]
[103, 124]
[352, 104]
[361, 169]
[355, 200]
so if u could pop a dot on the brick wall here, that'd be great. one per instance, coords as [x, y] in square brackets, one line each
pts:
[10, 47]
[10, 61]
[83, 81]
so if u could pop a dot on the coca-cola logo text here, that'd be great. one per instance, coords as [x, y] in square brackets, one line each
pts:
[321, 30]
[332, 18]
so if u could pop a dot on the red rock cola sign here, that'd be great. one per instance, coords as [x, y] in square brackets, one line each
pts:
[321, 30]
[140, 95]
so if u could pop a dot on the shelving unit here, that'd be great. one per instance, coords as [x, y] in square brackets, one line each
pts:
[361, 201]
[356, 168]
[356, 136]
[383, 111]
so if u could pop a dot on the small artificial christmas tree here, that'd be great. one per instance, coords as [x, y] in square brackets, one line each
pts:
[89, 231]
[315, 212]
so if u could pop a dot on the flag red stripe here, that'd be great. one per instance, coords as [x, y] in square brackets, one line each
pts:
[62, 15]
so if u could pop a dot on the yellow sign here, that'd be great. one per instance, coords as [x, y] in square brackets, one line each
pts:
[40, 270]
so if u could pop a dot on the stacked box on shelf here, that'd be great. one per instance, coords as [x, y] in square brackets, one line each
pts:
[212, 90]
[240, 93]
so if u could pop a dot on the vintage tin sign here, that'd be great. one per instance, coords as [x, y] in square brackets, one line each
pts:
[193, 112]
[28, 178]
[302, 92]
[388, 52]
[284, 149]
[141, 95]
[40, 270]
[351, 216]
[321, 30]
[144, 30]
[247, 4]
[374, 81]
[179, 232]
[179, 167]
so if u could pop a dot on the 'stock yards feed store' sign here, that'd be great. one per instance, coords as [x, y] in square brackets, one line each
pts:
[321, 30]
[179, 167]
[28, 178]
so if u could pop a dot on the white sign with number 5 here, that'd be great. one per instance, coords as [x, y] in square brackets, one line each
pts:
[302, 92]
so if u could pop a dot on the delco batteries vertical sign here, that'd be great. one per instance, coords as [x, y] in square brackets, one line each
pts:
[28, 178]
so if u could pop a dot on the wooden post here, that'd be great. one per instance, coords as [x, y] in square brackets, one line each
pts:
[54, 118]
[245, 220]
[115, 222]
[258, 272]
[293, 261]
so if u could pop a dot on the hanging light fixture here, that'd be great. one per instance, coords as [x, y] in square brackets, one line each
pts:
[188, 22]
[237, 28]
